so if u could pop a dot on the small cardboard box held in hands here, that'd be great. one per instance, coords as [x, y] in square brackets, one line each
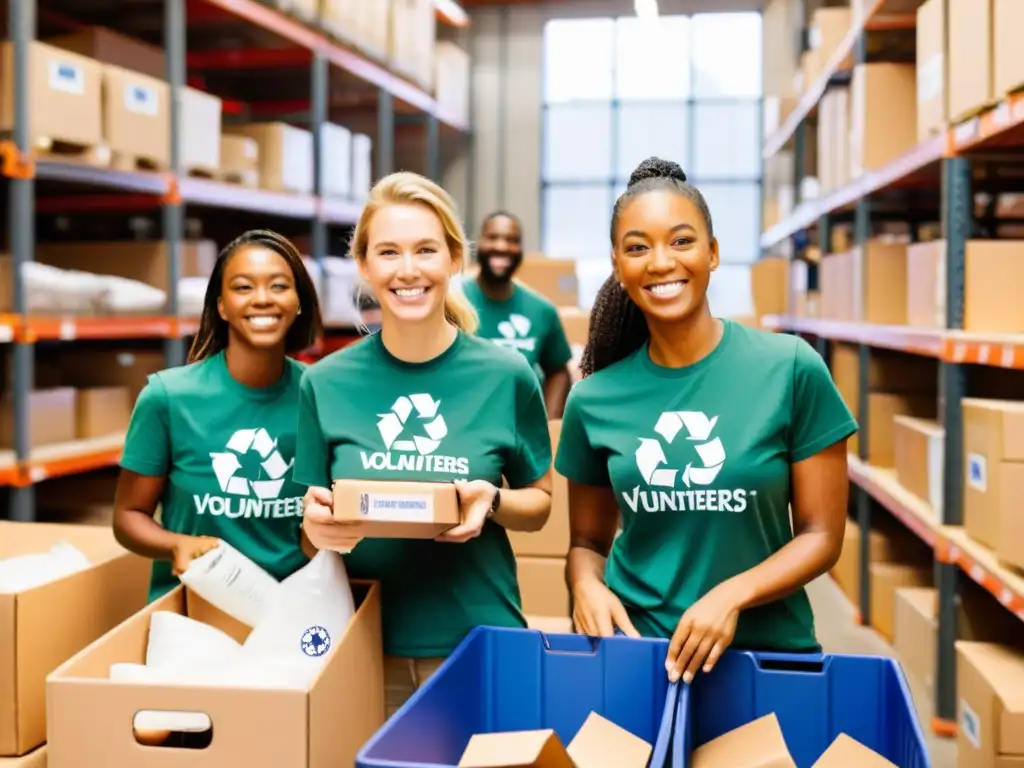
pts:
[378, 509]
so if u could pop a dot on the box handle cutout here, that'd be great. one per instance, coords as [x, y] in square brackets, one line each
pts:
[172, 729]
[579, 644]
[811, 663]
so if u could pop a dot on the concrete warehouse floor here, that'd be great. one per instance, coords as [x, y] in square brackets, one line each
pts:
[837, 632]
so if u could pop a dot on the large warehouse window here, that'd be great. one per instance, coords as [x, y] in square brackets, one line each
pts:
[687, 88]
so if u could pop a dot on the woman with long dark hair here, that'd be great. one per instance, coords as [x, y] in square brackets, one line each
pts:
[212, 442]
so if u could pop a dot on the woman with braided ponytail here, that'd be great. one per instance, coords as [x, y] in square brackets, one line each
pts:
[701, 434]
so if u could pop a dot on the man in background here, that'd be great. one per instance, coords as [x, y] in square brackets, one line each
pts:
[512, 315]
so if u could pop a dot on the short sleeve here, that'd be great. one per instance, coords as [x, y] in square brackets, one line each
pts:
[820, 417]
[147, 445]
[577, 459]
[556, 352]
[531, 457]
[312, 458]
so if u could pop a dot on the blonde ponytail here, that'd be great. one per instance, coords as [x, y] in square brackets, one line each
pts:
[405, 187]
[459, 312]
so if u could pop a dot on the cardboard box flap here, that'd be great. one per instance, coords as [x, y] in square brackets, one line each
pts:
[924, 600]
[600, 742]
[845, 752]
[928, 427]
[1002, 668]
[515, 749]
[96, 543]
[758, 744]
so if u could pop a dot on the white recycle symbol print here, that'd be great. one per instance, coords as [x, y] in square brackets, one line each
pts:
[227, 463]
[516, 326]
[393, 423]
[650, 456]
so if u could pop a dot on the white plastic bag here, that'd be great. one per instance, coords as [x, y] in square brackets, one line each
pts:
[122, 295]
[304, 617]
[184, 646]
[24, 572]
[230, 581]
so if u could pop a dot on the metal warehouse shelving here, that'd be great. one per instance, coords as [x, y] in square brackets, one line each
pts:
[398, 102]
[945, 163]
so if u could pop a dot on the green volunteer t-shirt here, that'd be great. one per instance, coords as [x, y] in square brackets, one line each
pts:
[699, 459]
[526, 321]
[473, 412]
[226, 450]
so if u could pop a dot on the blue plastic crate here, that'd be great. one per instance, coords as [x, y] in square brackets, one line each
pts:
[521, 679]
[815, 697]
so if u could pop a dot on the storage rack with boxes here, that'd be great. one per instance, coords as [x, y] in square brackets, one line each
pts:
[911, 290]
[131, 154]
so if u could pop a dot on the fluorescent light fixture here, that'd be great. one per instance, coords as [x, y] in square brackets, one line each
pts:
[646, 9]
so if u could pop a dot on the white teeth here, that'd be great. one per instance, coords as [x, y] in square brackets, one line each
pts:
[409, 292]
[263, 321]
[666, 289]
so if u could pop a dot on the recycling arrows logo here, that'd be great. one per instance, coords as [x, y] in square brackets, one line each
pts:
[393, 423]
[516, 327]
[227, 463]
[650, 456]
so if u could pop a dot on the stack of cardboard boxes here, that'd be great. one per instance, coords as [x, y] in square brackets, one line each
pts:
[41, 627]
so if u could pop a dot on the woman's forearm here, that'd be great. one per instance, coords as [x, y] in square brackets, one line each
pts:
[523, 509]
[805, 558]
[138, 532]
[584, 563]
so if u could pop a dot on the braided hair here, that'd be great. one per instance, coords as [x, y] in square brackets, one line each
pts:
[617, 326]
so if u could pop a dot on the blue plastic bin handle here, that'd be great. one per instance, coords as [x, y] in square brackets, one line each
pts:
[564, 643]
[809, 663]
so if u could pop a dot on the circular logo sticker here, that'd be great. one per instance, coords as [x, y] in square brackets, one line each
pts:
[316, 641]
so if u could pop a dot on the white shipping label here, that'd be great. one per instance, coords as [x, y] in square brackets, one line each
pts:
[930, 79]
[140, 100]
[970, 725]
[66, 76]
[397, 507]
[977, 472]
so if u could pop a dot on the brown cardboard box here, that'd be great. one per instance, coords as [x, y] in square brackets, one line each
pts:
[34, 759]
[1008, 55]
[51, 417]
[845, 752]
[883, 112]
[89, 716]
[882, 408]
[553, 278]
[144, 260]
[576, 324]
[926, 283]
[542, 586]
[512, 749]
[102, 411]
[990, 710]
[886, 578]
[833, 139]
[993, 274]
[993, 434]
[880, 283]
[100, 367]
[552, 625]
[759, 744]
[240, 160]
[64, 96]
[600, 743]
[829, 26]
[109, 47]
[391, 509]
[915, 631]
[553, 539]
[769, 284]
[136, 119]
[286, 155]
[932, 114]
[970, 56]
[1011, 517]
[918, 445]
[67, 614]
[451, 79]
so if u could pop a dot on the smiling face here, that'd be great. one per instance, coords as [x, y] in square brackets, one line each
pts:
[258, 298]
[664, 255]
[408, 262]
[500, 249]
